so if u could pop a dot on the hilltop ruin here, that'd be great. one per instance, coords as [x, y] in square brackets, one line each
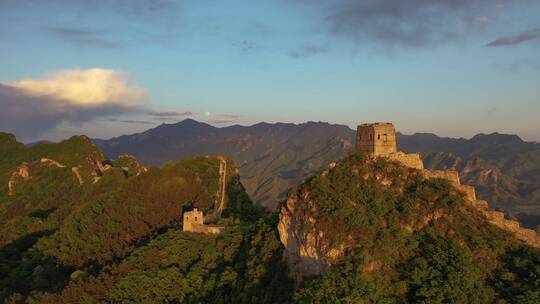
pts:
[379, 140]
[194, 222]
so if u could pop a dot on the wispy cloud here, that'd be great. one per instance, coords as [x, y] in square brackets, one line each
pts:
[248, 46]
[128, 8]
[84, 37]
[128, 121]
[516, 38]
[225, 119]
[82, 22]
[307, 51]
[229, 116]
[411, 23]
[169, 115]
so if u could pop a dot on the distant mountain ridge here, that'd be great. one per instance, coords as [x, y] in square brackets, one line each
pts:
[271, 157]
[274, 157]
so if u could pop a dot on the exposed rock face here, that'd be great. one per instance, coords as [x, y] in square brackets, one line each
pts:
[50, 162]
[21, 173]
[306, 253]
[75, 171]
[132, 165]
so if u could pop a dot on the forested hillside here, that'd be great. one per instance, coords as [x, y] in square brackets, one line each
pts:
[271, 157]
[76, 227]
[373, 231]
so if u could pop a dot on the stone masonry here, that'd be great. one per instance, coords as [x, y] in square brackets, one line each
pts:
[194, 222]
[379, 140]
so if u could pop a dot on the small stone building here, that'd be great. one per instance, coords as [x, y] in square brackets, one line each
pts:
[379, 139]
[194, 222]
[376, 138]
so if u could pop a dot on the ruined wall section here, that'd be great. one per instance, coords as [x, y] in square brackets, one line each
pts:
[411, 160]
[497, 218]
[379, 140]
[194, 222]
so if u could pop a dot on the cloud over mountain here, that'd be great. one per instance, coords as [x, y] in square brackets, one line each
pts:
[31, 107]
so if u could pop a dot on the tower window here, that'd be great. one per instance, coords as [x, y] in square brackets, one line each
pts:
[378, 136]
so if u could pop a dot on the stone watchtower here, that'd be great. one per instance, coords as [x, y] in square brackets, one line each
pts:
[194, 222]
[377, 139]
[193, 219]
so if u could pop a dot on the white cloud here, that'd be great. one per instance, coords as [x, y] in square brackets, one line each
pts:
[32, 107]
[86, 88]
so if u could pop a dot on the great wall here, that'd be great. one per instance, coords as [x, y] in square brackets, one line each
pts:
[379, 140]
[194, 220]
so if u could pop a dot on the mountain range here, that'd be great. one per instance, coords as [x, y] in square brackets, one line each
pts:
[274, 157]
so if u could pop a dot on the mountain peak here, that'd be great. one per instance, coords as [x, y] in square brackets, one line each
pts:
[497, 138]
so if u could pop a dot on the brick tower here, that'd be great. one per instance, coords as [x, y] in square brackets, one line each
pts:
[377, 139]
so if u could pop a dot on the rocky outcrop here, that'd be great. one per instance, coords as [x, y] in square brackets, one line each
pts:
[77, 174]
[131, 165]
[21, 173]
[50, 162]
[307, 253]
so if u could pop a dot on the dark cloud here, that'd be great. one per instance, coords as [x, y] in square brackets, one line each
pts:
[84, 37]
[307, 51]
[411, 23]
[516, 38]
[30, 116]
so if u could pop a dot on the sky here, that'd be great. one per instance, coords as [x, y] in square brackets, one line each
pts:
[110, 67]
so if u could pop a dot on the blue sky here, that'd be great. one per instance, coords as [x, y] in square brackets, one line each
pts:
[452, 67]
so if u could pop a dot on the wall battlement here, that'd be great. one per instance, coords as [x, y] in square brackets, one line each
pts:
[379, 140]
